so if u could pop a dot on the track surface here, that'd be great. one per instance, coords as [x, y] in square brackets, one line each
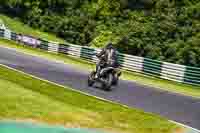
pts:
[176, 107]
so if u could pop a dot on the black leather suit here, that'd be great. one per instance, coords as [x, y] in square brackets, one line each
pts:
[107, 58]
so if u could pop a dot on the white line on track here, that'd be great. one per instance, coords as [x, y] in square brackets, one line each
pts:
[188, 127]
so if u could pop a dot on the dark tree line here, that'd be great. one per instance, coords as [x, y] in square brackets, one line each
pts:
[167, 30]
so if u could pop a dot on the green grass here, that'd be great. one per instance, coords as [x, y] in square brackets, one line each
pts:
[27, 98]
[19, 27]
[157, 83]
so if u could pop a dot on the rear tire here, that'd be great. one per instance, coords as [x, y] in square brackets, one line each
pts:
[91, 80]
[115, 80]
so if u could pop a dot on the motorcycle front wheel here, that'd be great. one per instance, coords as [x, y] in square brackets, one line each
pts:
[108, 82]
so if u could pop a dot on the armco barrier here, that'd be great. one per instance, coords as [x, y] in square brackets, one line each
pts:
[164, 70]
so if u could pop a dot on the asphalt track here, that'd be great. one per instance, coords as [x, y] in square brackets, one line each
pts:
[183, 109]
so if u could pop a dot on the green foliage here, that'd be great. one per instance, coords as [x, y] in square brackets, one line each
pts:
[104, 38]
[155, 29]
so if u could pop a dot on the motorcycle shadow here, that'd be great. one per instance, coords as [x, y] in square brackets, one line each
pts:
[98, 87]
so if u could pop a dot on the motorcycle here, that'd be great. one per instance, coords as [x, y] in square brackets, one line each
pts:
[108, 77]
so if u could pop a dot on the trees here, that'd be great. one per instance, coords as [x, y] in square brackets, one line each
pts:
[169, 32]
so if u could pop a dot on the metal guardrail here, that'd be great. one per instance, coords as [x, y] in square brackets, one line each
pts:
[164, 70]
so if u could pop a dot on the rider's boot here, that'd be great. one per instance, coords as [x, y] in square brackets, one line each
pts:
[97, 74]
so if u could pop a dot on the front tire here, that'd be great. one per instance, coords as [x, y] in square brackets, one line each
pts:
[108, 82]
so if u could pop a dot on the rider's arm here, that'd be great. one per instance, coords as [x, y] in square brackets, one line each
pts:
[101, 53]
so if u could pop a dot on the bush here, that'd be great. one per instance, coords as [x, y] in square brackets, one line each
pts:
[168, 32]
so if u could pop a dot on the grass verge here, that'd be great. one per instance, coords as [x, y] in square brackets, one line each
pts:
[157, 83]
[20, 27]
[27, 98]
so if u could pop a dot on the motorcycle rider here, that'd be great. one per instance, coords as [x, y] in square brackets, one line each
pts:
[107, 58]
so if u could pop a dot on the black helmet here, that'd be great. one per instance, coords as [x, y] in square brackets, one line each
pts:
[109, 45]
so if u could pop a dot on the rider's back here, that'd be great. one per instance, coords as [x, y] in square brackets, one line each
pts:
[111, 55]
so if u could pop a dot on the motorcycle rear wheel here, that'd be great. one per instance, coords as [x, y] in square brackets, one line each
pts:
[115, 80]
[91, 80]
